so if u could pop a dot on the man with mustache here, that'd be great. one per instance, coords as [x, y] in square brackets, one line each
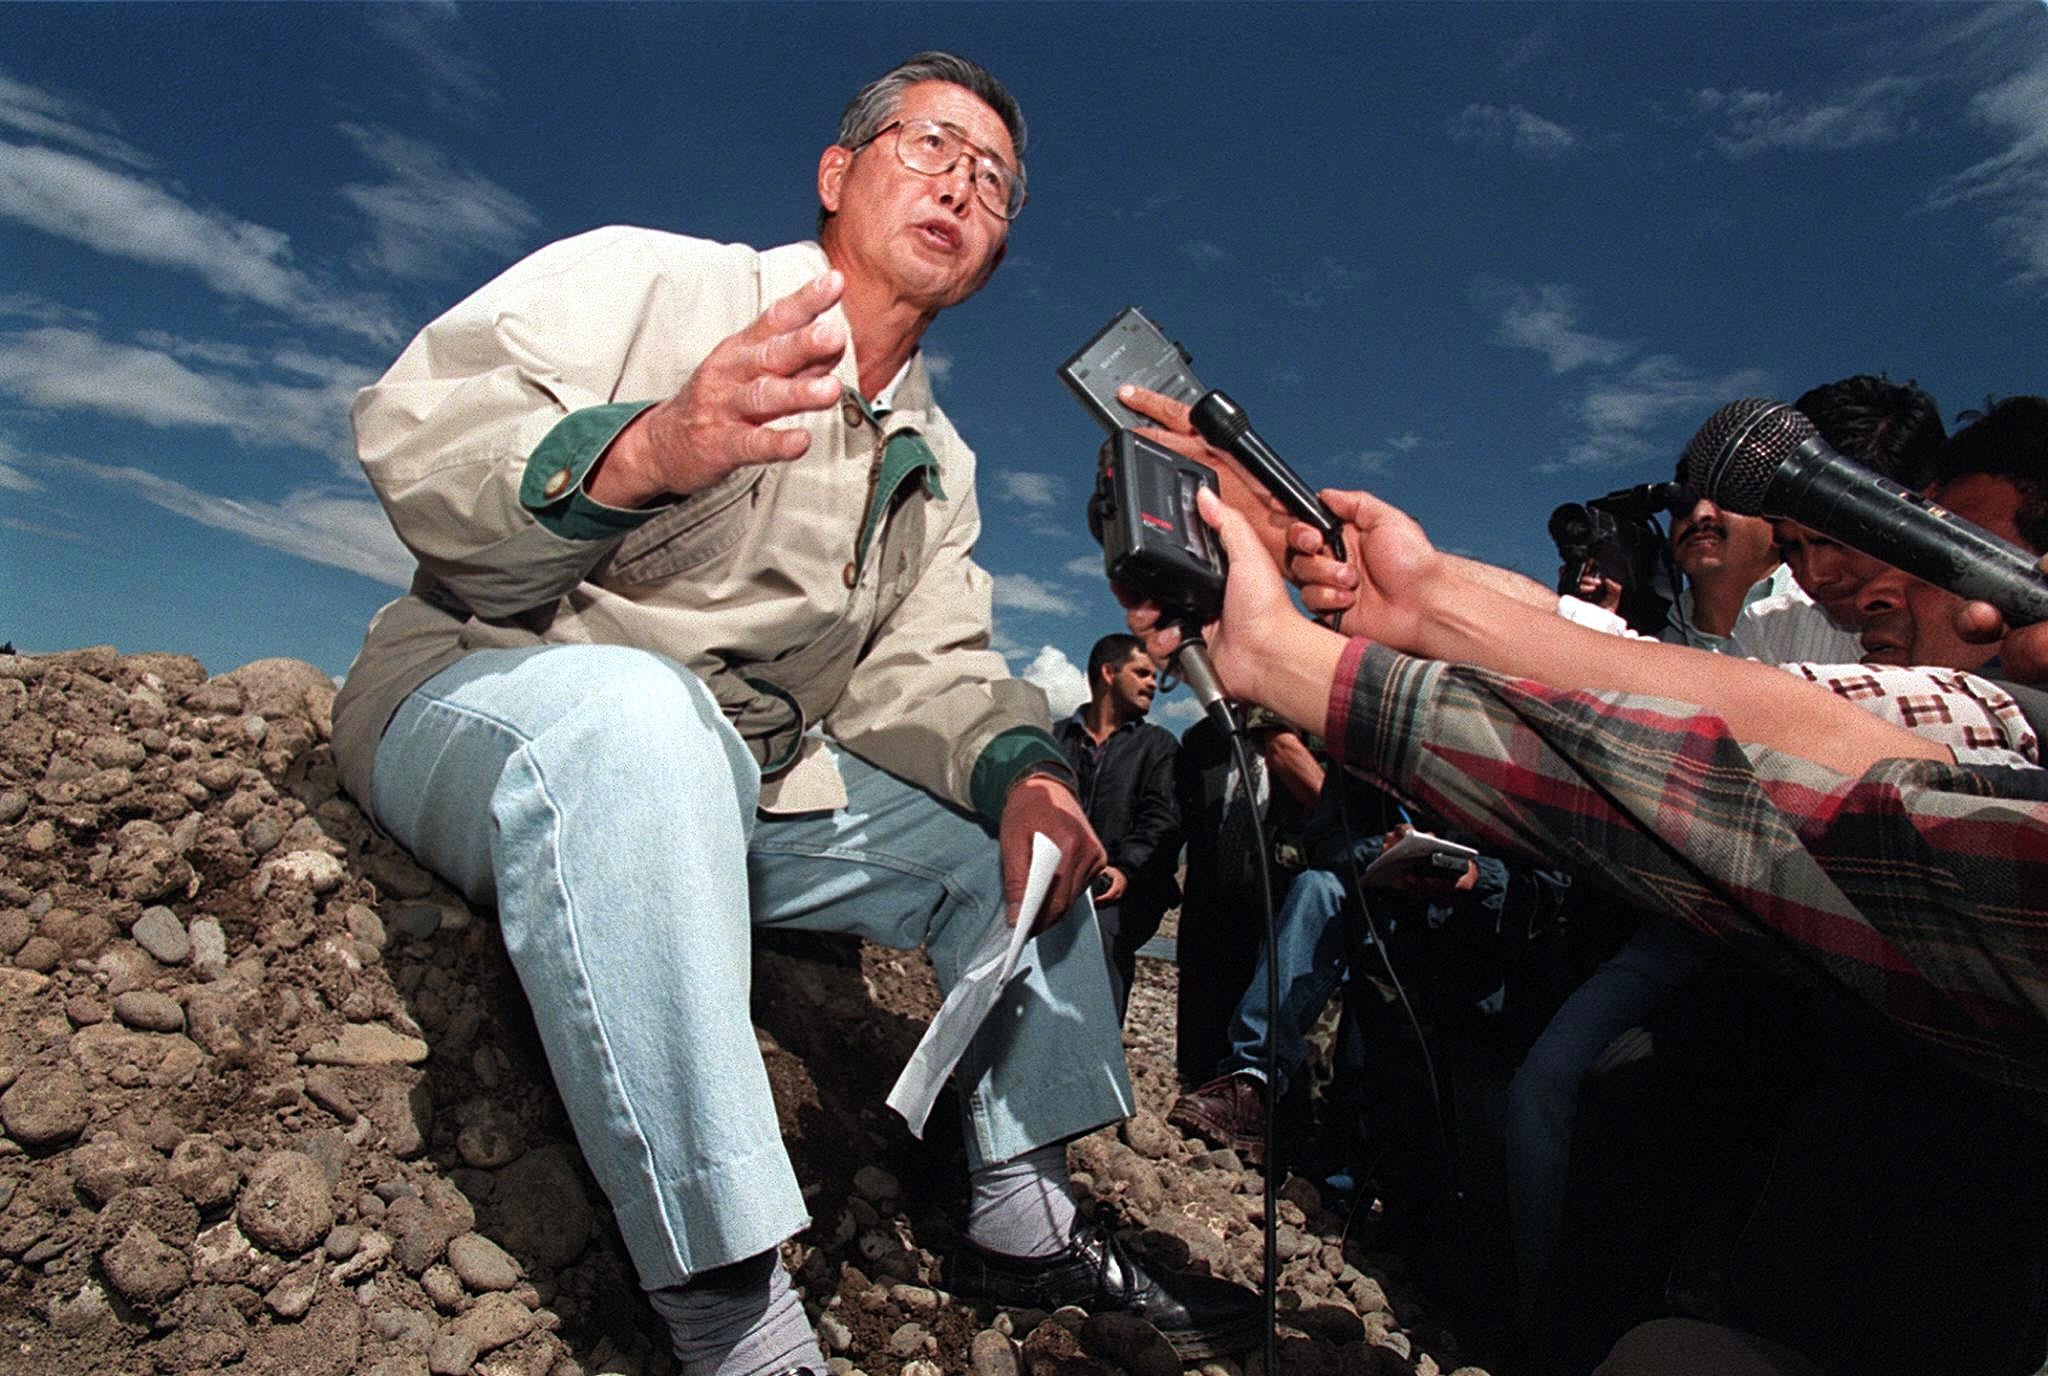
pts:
[1726, 559]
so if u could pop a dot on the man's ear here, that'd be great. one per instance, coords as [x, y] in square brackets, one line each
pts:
[832, 165]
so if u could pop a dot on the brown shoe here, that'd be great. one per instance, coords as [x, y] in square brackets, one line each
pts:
[1229, 1111]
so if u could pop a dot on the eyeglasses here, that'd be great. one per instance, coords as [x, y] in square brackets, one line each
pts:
[932, 149]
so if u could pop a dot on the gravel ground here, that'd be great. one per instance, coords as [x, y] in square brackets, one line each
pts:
[272, 1102]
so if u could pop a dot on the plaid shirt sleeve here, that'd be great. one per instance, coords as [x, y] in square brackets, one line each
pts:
[1921, 888]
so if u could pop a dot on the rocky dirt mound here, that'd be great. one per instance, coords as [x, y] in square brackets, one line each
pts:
[273, 1104]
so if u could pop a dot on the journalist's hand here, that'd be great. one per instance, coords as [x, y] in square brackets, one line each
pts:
[720, 420]
[1177, 432]
[1041, 803]
[2022, 653]
[1382, 592]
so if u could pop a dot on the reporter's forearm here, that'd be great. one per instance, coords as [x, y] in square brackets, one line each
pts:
[1761, 704]
[1290, 670]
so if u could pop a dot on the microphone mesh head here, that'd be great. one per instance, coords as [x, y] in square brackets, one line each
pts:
[1731, 460]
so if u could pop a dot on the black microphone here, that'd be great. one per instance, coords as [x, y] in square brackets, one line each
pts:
[1224, 424]
[1763, 458]
[1191, 662]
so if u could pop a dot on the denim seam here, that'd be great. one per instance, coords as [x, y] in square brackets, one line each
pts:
[644, 1150]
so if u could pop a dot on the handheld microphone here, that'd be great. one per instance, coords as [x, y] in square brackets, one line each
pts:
[1191, 662]
[1224, 424]
[1763, 458]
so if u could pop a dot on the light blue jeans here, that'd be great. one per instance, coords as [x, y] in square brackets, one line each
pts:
[596, 795]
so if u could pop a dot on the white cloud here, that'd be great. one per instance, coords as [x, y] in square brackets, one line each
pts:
[939, 365]
[1064, 682]
[1546, 319]
[1028, 488]
[125, 216]
[51, 118]
[428, 215]
[1020, 592]
[1628, 416]
[1527, 132]
[453, 75]
[67, 369]
[1312, 287]
[1181, 707]
[1084, 566]
[1407, 443]
[1750, 122]
[1202, 252]
[2012, 184]
[13, 478]
[322, 525]
[46, 532]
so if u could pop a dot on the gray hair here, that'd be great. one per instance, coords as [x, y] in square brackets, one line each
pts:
[876, 103]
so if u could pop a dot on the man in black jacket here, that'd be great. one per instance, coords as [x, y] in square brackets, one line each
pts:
[1125, 768]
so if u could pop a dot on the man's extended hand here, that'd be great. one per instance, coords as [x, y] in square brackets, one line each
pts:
[777, 367]
[1041, 803]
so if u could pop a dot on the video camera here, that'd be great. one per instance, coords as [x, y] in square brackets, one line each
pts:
[1618, 536]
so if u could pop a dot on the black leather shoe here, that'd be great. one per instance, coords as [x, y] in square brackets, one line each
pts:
[1202, 1316]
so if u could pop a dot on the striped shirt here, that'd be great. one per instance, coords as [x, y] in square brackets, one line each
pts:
[1920, 888]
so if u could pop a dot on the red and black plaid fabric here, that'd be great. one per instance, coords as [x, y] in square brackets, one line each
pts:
[1920, 888]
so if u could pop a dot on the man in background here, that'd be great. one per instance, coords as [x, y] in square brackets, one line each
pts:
[1124, 766]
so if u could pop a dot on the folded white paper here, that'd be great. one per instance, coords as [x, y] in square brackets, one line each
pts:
[1003, 955]
[1412, 848]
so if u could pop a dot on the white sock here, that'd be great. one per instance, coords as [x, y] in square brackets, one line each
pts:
[738, 1320]
[1023, 1207]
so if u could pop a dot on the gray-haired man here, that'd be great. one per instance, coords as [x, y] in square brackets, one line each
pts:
[670, 670]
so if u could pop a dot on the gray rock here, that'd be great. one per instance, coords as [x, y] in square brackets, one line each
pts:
[159, 932]
[148, 1011]
[40, 954]
[494, 1321]
[315, 870]
[104, 1168]
[286, 1206]
[833, 1332]
[416, 920]
[482, 1263]
[443, 1287]
[202, 1170]
[342, 1241]
[209, 948]
[292, 1296]
[539, 1210]
[451, 1354]
[1149, 1135]
[15, 927]
[43, 1108]
[992, 1354]
[362, 1043]
[876, 1184]
[908, 1340]
[143, 1268]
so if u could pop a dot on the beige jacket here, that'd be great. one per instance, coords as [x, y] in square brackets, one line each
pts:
[763, 585]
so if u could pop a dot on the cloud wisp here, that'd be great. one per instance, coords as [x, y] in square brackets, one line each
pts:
[1624, 413]
[1545, 318]
[1021, 592]
[61, 368]
[2012, 183]
[427, 215]
[1744, 122]
[123, 215]
[1523, 130]
[323, 525]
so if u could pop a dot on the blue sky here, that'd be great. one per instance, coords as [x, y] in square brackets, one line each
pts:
[1482, 259]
